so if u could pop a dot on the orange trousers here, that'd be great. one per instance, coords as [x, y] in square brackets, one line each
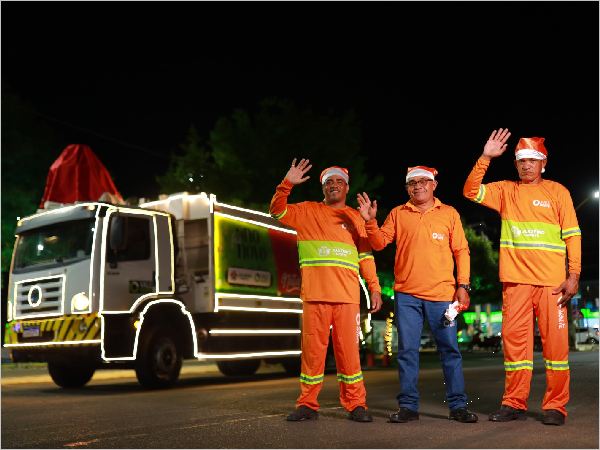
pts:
[344, 321]
[520, 302]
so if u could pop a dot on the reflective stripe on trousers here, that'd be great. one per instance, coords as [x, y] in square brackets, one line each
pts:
[344, 321]
[521, 304]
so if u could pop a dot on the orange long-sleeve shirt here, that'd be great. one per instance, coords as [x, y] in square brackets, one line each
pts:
[333, 247]
[539, 226]
[425, 246]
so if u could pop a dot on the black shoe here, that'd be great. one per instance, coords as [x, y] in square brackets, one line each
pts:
[463, 415]
[360, 414]
[302, 413]
[553, 417]
[507, 413]
[404, 415]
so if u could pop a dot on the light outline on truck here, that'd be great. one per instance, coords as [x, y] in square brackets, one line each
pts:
[153, 214]
[139, 329]
[251, 332]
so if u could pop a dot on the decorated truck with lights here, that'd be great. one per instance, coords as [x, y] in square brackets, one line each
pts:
[98, 285]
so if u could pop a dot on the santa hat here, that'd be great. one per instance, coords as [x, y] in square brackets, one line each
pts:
[335, 170]
[422, 171]
[531, 148]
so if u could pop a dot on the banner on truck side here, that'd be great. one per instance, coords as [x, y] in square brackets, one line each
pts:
[250, 259]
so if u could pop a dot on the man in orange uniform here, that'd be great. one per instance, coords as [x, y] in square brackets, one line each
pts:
[333, 245]
[539, 228]
[429, 237]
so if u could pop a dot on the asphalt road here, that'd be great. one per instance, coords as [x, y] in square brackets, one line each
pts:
[208, 410]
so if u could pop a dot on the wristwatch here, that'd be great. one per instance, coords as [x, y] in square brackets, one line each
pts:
[466, 287]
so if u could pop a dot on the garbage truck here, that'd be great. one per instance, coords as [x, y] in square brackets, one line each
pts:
[98, 285]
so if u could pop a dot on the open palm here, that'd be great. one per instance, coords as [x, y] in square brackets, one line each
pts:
[496, 144]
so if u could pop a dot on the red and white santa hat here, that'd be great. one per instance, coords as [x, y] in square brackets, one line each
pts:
[335, 170]
[423, 171]
[531, 148]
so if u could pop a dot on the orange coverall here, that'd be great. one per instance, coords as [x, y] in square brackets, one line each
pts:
[539, 228]
[333, 246]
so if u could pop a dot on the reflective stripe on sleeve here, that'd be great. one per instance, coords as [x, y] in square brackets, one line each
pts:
[571, 232]
[279, 216]
[362, 256]
[480, 195]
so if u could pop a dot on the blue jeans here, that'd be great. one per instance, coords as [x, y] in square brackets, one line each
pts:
[409, 312]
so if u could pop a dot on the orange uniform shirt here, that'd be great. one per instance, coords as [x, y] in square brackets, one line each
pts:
[333, 247]
[539, 225]
[427, 244]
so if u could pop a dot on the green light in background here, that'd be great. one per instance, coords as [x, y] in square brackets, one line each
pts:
[587, 314]
[471, 316]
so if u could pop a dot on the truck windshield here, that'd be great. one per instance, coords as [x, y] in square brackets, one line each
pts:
[55, 243]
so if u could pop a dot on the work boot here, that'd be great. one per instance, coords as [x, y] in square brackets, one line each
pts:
[302, 413]
[553, 417]
[360, 414]
[463, 415]
[404, 415]
[507, 413]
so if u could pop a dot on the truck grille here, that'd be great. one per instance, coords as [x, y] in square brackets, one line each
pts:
[39, 297]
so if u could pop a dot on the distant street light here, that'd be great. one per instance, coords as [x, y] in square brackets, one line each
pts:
[595, 195]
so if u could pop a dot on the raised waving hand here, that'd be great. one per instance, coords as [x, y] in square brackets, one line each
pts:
[296, 173]
[366, 208]
[496, 144]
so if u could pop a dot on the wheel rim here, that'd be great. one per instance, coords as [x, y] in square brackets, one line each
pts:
[165, 358]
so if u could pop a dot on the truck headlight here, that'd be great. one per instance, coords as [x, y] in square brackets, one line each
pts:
[80, 302]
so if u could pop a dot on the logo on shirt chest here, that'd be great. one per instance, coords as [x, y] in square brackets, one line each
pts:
[438, 236]
[542, 203]
[324, 251]
[348, 227]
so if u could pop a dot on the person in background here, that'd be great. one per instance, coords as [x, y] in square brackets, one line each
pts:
[429, 239]
[333, 247]
[539, 230]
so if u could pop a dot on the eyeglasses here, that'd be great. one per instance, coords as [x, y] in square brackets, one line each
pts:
[422, 182]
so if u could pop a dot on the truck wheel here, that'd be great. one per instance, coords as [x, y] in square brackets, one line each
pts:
[292, 366]
[242, 367]
[70, 376]
[159, 358]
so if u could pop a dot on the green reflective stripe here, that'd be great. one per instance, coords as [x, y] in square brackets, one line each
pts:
[362, 256]
[480, 195]
[328, 253]
[532, 236]
[279, 216]
[571, 232]
[350, 379]
[518, 365]
[557, 365]
[307, 379]
[327, 263]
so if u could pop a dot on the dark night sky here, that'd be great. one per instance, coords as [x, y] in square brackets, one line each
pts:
[429, 81]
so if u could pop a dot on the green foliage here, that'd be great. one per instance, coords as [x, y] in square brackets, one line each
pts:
[29, 148]
[250, 153]
[485, 282]
[191, 172]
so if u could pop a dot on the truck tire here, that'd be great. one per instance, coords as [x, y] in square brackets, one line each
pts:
[159, 358]
[232, 368]
[70, 376]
